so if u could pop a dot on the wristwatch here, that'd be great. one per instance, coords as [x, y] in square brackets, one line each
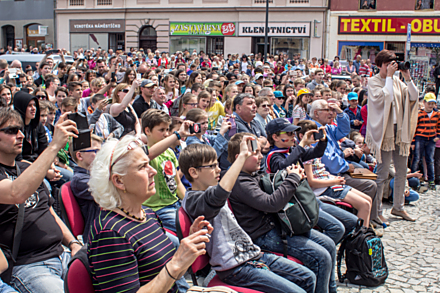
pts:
[74, 241]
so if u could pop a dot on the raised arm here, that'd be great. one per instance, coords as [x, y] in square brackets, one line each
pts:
[117, 108]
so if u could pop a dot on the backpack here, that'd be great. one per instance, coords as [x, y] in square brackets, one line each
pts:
[301, 213]
[364, 257]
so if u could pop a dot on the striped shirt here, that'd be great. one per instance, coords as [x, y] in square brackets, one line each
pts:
[428, 127]
[124, 254]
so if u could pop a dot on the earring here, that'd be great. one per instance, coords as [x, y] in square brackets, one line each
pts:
[125, 191]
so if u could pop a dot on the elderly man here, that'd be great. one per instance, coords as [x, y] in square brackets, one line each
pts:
[160, 98]
[334, 158]
[16, 64]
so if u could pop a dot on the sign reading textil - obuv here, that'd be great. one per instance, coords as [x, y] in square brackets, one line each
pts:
[202, 28]
[285, 29]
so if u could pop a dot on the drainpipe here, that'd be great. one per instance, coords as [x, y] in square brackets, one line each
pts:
[55, 39]
[326, 30]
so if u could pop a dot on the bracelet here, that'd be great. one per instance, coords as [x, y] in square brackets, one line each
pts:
[74, 241]
[177, 134]
[169, 272]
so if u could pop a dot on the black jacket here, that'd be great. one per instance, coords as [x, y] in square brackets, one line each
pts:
[253, 208]
[35, 141]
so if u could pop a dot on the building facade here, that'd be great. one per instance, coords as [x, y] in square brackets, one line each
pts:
[222, 26]
[27, 23]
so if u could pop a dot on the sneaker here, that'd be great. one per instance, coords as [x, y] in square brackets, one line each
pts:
[432, 185]
[422, 189]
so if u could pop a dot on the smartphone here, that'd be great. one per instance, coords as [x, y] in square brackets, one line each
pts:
[113, 77]
[318, 135]
[13, 72]
[292, 72]
[254, 145]
[80, 120]
[233, 129]
[139, 75]
[82, 141]
[195, 128]
[110, 100]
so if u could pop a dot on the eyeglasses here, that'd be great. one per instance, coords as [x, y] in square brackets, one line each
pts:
[41, 97]
[89, 151]
[212, 166]
[325, 110]
[125, 90]
[290, 133]
[193, 104]
[131, 146]
[12, 130]
[264, 106]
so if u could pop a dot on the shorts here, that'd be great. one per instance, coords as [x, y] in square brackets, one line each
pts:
[337, 191]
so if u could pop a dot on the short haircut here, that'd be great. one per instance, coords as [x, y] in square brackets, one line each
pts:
[3, 63]
[7, 114]
[306, 125]
[61, 89]
[325, 90]
[238, 100]
[195, 115]
[154, 117]
[44, 105]
[298, 81]
[261, 100]
[93, 137]
[96, 98]
[234, 145]
[318, 70]
[43, 64]
[69, 102]
[195, 87]
[194, 156]
[265, 91]
[384, 56]
[72, 85]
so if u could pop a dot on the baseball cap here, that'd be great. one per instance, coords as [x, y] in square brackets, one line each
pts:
[239, 82]
[352, 96]
[304, 91]
[280, 124]
[258, 75]
[430, 97]
[278, 94]
[147, 83]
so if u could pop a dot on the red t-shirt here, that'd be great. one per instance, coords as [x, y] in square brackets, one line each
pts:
[354, 110]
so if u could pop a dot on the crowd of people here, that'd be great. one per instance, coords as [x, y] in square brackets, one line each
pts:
[175, 131]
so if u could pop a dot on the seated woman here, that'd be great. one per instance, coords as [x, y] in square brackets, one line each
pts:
[128, 248]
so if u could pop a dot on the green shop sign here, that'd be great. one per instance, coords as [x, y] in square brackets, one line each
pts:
[202, 28]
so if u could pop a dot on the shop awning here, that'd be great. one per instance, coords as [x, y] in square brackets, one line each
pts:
[425, 45]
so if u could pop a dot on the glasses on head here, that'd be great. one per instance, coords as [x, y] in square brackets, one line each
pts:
[131, 146]
[125, 90]
[290, 133]
[212, 166]
[12, 130]
[89, 151]
[41, 97]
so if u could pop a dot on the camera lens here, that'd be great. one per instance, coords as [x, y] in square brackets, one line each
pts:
[404, 65]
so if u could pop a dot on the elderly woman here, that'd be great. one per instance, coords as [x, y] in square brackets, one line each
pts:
[128, 248]
[392, 121]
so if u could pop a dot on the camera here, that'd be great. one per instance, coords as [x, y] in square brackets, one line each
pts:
[404, 65]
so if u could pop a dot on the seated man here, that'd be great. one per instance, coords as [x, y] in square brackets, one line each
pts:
[41, 262]
[235, 258]
[334, 157]
[79, 184]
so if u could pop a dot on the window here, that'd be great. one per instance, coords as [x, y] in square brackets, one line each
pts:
[262, 1]
[299, 1]
[367, 4]
[76, 2]
[104, 2]
[424, 4]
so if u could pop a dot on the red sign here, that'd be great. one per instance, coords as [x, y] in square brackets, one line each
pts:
[228, 29]
[389, 25]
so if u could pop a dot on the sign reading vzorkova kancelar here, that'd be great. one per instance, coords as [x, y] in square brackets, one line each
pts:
[282, 29]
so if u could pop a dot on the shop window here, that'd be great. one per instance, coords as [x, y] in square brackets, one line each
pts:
[299, 1]
[76, 2]
[424, 4]
[290, 46]
[367, 4]
[104, 2]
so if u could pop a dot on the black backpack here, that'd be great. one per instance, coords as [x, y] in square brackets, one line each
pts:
[364, 258]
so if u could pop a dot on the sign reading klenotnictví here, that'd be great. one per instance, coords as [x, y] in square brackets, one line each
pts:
[292, 29]
[202, 29]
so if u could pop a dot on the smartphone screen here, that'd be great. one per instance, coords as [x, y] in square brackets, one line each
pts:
[139, 75]
[318, 135]
[233, 129]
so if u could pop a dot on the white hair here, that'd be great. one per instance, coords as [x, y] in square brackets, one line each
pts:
[103, 191]
[316, 105]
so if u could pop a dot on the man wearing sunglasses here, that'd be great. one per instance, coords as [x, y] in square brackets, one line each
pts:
[143, 102]
[79, 184]
[40, 258]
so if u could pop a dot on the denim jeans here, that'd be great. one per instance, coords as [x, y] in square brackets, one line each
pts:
[283, 276]
[5, 288]
[314, 249]
[41, 277]
[167, 215]
[414, 182]
[413, 195]
[428, 147]
[335, 222]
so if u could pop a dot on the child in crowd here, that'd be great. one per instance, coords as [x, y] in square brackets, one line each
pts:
[354, 112]
[215, 110]
[235, 258]
[325, 184]
[427, 134]
[278, 105]
[326, 94]
[204, 100]
[300, 109]
[44, 112]
[218, 142]
[186, 103]
[178, 146]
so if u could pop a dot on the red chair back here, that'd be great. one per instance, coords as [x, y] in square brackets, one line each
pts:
[78, 279]
[73, 212]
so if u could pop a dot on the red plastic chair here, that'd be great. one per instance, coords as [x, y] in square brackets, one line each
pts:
[71, 211]
[78, 279]
[183, 224]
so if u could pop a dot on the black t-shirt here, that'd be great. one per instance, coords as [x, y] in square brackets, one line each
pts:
[42, 237]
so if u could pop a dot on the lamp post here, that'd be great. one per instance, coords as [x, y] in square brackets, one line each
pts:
[265, 31]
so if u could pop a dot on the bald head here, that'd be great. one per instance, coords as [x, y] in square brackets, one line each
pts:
[16, 64]
[142, 68]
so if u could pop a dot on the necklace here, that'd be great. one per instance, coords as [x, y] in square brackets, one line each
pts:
[133, 216]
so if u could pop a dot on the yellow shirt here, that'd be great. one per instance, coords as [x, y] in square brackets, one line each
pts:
[213, 113]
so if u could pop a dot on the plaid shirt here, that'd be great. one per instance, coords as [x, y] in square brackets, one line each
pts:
[318, 169]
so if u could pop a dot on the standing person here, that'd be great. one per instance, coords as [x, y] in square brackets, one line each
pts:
[357, 63]
[392, 121]
[437, 78]
[319, 76]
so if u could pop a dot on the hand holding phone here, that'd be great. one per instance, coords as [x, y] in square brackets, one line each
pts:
[233, 129]
[195, 128]
[318, 135]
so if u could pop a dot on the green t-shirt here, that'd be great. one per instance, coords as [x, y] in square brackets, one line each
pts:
[166, 185]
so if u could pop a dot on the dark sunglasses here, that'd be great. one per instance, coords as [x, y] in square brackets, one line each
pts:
[12, 130]
[125, 90]
[265, 106]
[41, 97]
[89, 151]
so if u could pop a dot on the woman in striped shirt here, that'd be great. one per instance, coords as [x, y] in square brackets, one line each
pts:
[128, 249]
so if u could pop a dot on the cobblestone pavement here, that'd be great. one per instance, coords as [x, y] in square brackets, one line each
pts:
[412, 250]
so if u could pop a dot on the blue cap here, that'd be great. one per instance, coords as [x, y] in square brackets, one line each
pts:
[278, 94]
[239, 82]
[280, 124]
[352, 96]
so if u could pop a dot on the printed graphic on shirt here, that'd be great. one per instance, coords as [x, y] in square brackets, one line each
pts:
[32, 201]
[169, 173]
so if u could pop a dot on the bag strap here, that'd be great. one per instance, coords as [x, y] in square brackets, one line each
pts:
[18, 225]
[340, 255]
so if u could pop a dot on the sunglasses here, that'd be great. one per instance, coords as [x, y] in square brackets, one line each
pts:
[290, 133]
[12, 130]
[41, 97]
[265, 106]
[89, 151]
[125, 90]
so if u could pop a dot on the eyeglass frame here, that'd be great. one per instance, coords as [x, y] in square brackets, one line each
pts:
[212, 166]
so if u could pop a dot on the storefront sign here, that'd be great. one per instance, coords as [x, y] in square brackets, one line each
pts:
[290, 29]
[42, 30]
[389, 25]
[97, 26]
[202, 29]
